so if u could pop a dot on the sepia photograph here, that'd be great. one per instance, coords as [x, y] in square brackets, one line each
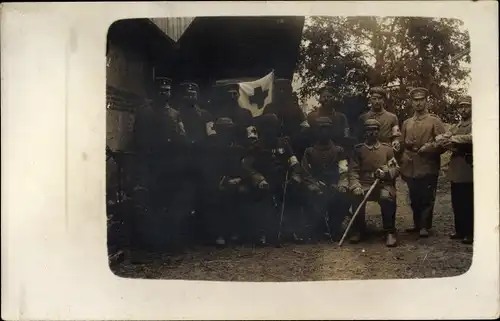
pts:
[288, 148]
[279, 160]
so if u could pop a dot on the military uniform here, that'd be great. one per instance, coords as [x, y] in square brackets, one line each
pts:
[285, 107]
[325, 168]
[266, 165]
[245, 129]
[460, 174]
[158, 137]
[340, 126]
[389, 123]
[368, 160]
[224, 189]
[420, 163]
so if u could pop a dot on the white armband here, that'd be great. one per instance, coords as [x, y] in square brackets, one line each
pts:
[304, 124]
[251, 132]
[293, 161]
[342, 166]
[209, 126]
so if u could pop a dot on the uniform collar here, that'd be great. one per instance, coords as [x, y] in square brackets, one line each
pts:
[420, 117]
[378, 113]
[374, 147]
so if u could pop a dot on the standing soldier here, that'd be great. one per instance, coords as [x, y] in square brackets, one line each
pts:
[325, 167]
[224, 188]
[389, 124]
[340, 127]
[459, 141]
[158, 134]
[200, 132]
[242, 118]
[267, 164]
[421, 160]
[371, 160]
[286, 108]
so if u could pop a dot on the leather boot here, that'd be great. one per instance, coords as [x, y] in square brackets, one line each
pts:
[355, 238]
[424, 233]
[391, 240]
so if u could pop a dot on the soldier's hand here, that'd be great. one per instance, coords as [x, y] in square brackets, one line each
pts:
[234, 181]
[379, 173]
[396, 145]
[358, 191]
[263, 185]
[342, 189]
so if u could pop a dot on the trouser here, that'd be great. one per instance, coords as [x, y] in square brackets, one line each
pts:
[422, 192]
[223, 208]
[163, 199]
[462, 200]
[326, 212]
[386, 198]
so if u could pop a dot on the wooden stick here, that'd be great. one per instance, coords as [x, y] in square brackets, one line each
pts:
[365, 199]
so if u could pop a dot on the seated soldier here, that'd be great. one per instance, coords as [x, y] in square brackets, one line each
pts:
[223, 188]
[267, 164]
[325, 167]
[371, 160]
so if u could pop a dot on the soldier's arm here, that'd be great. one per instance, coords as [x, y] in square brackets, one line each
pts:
[343, 169]
[402, 138]
[180, 125]
[354, 170]
[346, 128]
[306, 165]
[249, 171]
[209, 121]
[395, 130]
[391, 169]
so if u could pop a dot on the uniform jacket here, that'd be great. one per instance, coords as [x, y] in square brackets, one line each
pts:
[326, 163]
[389, 125]
[224, 161]
[242, 118]
[156, 129]
[366, 160]
[459, 169]
[419, 133]
[291, 116]
[271, 161]
[198, 124]
[339, 123]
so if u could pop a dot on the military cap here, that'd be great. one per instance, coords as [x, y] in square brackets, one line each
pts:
[323, 121]
[465, 100]
[233, 87]
[189, 87]
[283, 83]
[378, 90]
[419, 92]
[371, 123]
[224, 121]
[164, 82]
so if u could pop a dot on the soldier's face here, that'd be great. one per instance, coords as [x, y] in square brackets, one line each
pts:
[234, 95]
[190, 97]
[326, 98]
[164, 89]
[324, 132]
[465, 111]
[371, 134]
[377, 101]
[418, 103]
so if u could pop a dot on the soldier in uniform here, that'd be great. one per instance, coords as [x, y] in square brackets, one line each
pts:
[325, 167]
[287, 109]
[340, 127]
[459, 140]
[200, 135]
[158, 135]
[243, 120]
[420, 160]
[224, 186]
[389, 124]
[266, 165]
[373, 159]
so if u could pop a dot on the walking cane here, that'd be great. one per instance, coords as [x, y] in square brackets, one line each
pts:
[365, 199]
[283, 204]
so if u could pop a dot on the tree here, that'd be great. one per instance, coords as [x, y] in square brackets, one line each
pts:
[398, 53]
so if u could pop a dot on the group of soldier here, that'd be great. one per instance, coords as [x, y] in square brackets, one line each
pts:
[287, 176]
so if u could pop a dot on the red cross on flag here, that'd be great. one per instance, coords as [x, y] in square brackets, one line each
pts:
[257, 94]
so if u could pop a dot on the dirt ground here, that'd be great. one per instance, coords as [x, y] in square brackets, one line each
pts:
[437, 256]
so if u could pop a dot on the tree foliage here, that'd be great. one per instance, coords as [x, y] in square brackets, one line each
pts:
[354, 53]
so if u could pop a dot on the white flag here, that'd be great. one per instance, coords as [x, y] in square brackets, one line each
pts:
[255, 95]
